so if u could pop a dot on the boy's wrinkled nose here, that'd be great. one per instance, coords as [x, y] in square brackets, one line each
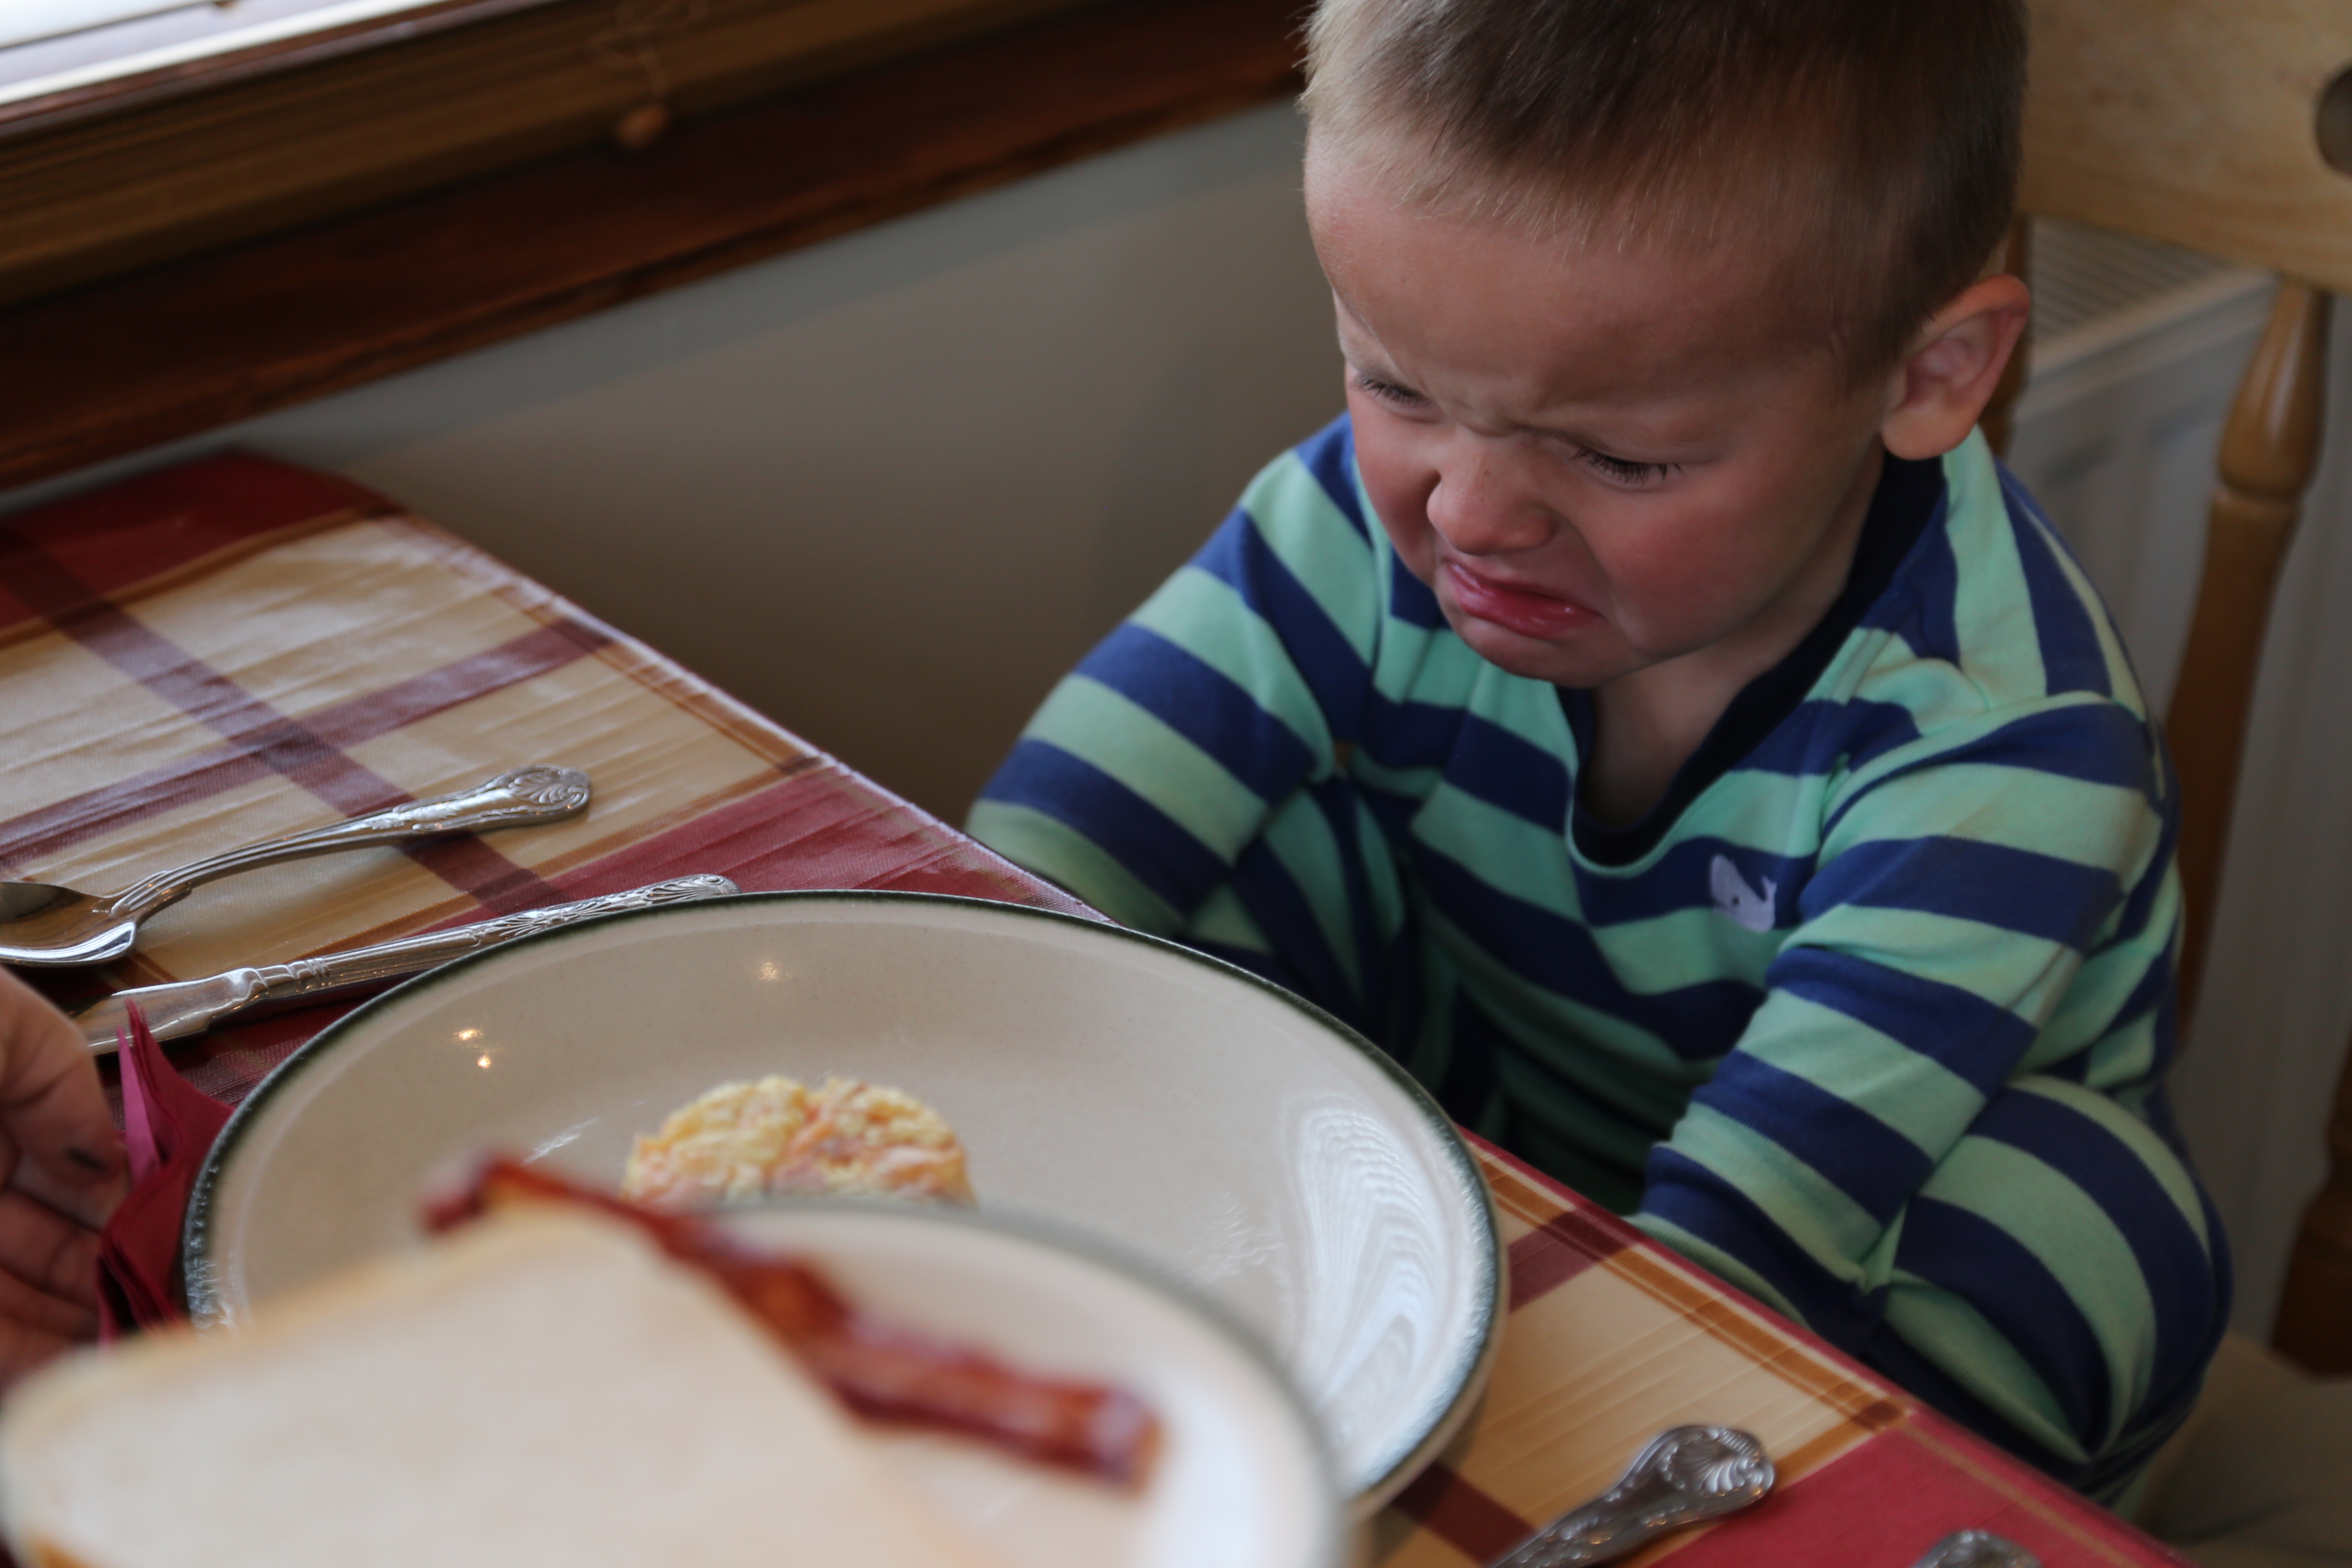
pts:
[1478, 509]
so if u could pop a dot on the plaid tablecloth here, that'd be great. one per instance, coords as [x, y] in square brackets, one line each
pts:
[199, 657]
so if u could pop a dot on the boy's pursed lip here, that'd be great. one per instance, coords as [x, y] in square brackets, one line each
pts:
[1530, 612]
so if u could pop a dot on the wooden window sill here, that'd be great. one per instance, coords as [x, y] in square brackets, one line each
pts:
[186, 345]
[150, 165]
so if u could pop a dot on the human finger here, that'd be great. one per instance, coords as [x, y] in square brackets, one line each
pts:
[47, 1250]
[33, 1311]
[52, 1108]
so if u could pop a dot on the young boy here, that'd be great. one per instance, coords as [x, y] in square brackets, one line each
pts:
[1652, 714]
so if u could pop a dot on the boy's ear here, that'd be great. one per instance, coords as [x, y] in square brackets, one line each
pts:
[1943, 384]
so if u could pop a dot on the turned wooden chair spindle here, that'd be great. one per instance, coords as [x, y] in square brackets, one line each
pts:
[2227, 130]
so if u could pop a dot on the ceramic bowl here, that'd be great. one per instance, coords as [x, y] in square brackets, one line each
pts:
[1233, 1135]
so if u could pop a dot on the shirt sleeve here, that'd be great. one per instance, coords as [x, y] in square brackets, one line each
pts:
[1933, 1143]
[1158, 762]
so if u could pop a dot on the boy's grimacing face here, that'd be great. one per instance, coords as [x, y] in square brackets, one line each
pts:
[1601, 459]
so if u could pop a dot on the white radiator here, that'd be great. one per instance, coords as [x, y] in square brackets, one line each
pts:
[2137, 351]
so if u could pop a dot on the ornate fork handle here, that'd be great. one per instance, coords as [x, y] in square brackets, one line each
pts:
[1684, 1477]
[523, 797]
[386, 961]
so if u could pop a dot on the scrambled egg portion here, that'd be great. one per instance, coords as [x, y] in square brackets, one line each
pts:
[746, 1141]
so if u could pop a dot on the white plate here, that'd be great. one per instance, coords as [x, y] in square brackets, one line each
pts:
[1241, 1480]
[1229, 1132]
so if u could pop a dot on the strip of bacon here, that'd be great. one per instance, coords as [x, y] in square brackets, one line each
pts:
[877, 1369]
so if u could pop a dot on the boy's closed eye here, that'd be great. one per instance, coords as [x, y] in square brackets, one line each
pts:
[1629, 473]
[1390, 392]
[1625, 472]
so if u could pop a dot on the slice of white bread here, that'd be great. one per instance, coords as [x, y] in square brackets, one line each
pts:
[542, 1388]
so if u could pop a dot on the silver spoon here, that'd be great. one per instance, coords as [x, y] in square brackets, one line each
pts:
[40, 924]
[1684, 1476]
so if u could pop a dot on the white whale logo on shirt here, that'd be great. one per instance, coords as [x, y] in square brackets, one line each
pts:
[1738, 903]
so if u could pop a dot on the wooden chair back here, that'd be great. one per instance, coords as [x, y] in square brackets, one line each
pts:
[2223, 127]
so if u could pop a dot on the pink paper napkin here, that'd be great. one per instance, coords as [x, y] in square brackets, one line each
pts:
[168, 1126]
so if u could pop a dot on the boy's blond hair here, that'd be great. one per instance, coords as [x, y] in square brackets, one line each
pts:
[1866, 150]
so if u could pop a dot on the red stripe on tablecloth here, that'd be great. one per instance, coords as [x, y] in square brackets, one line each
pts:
[1885, 1502]
[284, 744]
[228, 1063]
[2097, 1534]
[1558, 1251]
[340, 724]
[1599, 1217]
[1462, 1516]
[823, 827]
[145, 527]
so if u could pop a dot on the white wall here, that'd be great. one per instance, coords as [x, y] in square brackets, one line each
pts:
[888, 489]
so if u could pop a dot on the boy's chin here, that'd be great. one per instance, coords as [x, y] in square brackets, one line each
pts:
[1554, 663]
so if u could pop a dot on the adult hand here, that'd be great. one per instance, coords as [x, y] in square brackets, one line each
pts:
[62, 1172]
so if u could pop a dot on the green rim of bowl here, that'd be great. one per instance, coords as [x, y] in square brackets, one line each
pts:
[1437, 1428]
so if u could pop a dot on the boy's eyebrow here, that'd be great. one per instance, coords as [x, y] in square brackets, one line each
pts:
[1664, 429]
[1340, 318]
[1578, 429]
[1366, 363]
[1644, 437]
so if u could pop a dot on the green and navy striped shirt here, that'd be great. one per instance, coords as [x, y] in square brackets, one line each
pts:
[1867, 1015]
